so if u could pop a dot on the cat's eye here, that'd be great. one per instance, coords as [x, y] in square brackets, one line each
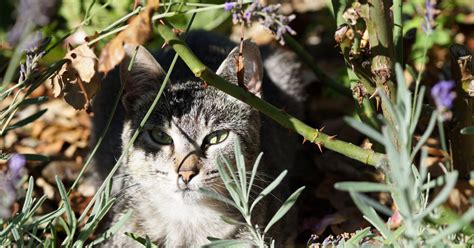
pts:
[161, 137]
[216, 137]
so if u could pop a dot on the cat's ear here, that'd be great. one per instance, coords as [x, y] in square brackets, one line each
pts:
[145, 74]
[253, 70]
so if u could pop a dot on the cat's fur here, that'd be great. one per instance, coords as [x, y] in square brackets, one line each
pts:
[148, 181]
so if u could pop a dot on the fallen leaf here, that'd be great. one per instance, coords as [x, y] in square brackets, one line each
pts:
[78, 79]
[48, 190]
[137, 33]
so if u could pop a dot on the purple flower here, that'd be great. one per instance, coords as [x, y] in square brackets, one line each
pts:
[228, 6]
[429, 17]
[15, 164]
[266, 15]
[37, 12]
[9, 183]
[443, 94]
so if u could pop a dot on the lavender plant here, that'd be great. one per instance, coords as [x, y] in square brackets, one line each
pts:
[266, 15]
[409, 186]
[239, 185]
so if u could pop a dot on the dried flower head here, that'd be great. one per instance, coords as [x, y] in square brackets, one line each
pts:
[267, 16]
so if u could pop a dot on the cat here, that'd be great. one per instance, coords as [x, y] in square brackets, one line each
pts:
[192, 125]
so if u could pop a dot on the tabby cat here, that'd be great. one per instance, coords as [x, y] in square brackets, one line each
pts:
[193, 124]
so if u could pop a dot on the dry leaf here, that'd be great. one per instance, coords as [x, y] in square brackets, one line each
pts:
[137, 33]
[78, 79]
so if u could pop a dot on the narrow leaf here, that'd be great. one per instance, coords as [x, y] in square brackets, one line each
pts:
[27, 120]
[284, 208]
[269, 189]
[363, 187]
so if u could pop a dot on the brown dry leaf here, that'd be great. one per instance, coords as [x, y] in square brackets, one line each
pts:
[78, 79]
[137, 33]
[459, 197]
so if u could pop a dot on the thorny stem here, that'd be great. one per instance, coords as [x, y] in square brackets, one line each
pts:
[382, 50]
[286, 120]
[398, 30]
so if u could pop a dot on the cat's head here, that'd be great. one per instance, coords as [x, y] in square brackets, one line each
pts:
[191, 127]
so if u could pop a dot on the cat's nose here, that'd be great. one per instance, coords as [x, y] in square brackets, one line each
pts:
[186, 176]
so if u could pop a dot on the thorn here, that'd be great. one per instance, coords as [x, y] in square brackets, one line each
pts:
[321, 129]
[374, 94]
[164, 45]
[205, 85]
[377, 103]
[315, 136]
[177, 31]
[332, 137]
[304, 141]
[319, 146]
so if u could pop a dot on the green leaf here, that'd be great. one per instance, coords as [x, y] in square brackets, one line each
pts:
[227, 243]
[218, 197]
[71, 217]
[365, 129]
[50, 216]
[465, 220]
[144, 241]
[425, 135]
[269, 189]
[35, 157]
[112, 230]
[231, 221]
[91, 225]
[371, 216]
[451, 178]
[363, 187]
[359, 235]
[28, 197]
[254, 172]
[26, 121]
[239, 158]
[284, 208]
[468, 130]
[31, 101]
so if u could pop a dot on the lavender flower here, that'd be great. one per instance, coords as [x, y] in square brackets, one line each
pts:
[228, 6]
[9, 183]
[37, 12]
[429, 17]
[266, 15]
[443, 95]
[15, 164]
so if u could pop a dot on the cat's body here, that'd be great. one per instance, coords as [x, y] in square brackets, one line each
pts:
[192, 125]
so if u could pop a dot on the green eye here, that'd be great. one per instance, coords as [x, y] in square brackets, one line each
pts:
[161, 137]
[217, 137]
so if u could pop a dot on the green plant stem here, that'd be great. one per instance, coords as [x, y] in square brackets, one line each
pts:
[313, 135]
[379, 25]
[309, 61]
[398, 30]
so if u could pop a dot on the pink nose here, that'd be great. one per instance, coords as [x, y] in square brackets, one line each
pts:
[187, 175]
